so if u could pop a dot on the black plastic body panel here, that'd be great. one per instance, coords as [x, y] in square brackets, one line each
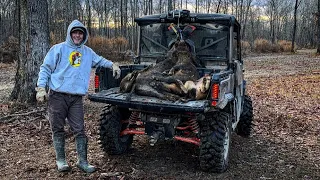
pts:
[144, 103]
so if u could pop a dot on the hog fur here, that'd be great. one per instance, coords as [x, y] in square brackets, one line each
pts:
[164, 80]
[199, 89]
[151, 81]
[184, 69]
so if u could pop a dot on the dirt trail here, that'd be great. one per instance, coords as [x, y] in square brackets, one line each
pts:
[285, 143]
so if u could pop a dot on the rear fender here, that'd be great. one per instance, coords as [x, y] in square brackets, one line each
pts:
[225, 91]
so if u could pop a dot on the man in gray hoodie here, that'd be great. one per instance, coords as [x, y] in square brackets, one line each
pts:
[66, 71]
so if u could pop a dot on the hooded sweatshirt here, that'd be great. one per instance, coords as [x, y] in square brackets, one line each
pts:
[66, 67]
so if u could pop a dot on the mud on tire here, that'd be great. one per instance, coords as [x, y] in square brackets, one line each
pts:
[244, 127]
[215, 142]
[111, 124]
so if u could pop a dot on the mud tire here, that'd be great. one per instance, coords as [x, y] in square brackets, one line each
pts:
[244, 127]
[111, 124]
[215, 142]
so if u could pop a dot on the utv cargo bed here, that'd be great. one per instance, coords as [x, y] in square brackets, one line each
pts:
[145, 103]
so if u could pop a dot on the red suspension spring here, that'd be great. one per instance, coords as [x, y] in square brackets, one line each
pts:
[193, 124]
[133, 117]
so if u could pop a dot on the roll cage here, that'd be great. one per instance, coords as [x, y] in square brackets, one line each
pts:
[216, 37]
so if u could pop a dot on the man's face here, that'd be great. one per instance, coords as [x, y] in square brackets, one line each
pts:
[77, 37]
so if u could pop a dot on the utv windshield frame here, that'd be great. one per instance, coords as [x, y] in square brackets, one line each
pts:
[228, 33]
[210, 40]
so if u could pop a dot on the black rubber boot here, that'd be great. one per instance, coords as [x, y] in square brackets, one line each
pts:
[82, 146]
[59, 143]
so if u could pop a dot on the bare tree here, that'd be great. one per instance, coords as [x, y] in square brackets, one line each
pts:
[16, 19]
[294, 26]
[88, 8]
[115, 18]
[318, 39]
[7, 19]
[61, 13]
[99, 7]
[169, 5]
[244, 24]
[218, 6]
[34, 44]
[273, 9]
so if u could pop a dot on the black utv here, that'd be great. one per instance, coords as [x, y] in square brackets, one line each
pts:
[207, 123]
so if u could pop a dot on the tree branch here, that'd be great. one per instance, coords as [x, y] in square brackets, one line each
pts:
[21, 114]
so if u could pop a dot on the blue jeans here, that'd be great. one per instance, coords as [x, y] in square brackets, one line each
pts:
[62, 106]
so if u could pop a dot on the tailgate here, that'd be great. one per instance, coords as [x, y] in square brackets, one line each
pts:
[146, 103]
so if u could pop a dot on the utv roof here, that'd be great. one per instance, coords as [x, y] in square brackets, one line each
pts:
[184, 16]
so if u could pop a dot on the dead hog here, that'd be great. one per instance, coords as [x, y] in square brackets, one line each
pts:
[153, 82]
[198, 89]
[128, 81]
[184, 69]
[157, 82]
[154, 85]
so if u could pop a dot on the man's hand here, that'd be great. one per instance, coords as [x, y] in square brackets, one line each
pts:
[41, 94]
[116, 70]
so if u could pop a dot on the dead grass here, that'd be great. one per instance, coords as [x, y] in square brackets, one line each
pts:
[109, 48]
[285, 46]
[245, 47]
[265, 46]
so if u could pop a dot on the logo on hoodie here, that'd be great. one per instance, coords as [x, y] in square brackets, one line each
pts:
[75, 59]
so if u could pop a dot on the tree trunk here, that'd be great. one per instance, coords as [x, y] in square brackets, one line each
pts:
[34, 44]
[197, 6]
[170, 5]
[16, 19]
[186, 4]
[248, 5]
[125, 32]
[89, 17]
[121, 19]
[218, 6]
[318, 39]
[294, 26]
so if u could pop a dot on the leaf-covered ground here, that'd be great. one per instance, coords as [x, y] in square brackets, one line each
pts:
[285, 144]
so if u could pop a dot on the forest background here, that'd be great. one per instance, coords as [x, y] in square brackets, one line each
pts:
[280, 44]
[29, 28]
[112, 28]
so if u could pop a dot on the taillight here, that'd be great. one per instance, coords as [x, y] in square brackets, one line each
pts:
[214, 94]
[96, 82]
